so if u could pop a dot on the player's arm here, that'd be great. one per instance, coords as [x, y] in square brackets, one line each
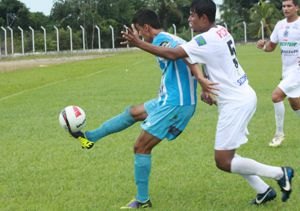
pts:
[132, 37]
[208, 88]
[206, 85]
[266, 45]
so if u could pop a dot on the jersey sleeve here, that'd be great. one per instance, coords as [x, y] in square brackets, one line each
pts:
[195, 49]
[274, 35]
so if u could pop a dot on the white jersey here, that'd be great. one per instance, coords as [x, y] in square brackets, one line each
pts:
[215, 49]
[287, 35]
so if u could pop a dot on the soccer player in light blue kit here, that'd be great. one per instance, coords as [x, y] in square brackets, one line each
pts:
[165, 116]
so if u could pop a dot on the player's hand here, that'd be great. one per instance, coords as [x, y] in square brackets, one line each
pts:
[130, 36]
[208, 98]
[260, 44]
[209, 86]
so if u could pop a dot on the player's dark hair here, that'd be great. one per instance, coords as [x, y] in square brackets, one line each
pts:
[207, 7]
[295, 2]
[146, 16]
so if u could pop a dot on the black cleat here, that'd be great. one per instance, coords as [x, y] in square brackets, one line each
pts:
[263, 198]
[285, 183]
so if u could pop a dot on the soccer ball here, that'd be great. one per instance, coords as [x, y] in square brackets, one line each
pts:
[72, 118]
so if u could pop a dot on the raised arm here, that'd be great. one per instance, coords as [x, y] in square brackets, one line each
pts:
[132, 38]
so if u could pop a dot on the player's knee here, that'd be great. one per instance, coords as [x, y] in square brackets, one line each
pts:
[294, 103]
[137, 112]
[277, 96]
[223, 165]
[138, 149]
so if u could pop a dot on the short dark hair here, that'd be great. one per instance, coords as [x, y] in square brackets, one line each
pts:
[146, 16]
[207, 7]
[296, 3]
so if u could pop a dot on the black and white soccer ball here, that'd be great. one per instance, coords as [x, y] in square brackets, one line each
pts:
[72, 118]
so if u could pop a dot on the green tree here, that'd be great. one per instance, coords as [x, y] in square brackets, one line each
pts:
[14, 13]
[268, 14]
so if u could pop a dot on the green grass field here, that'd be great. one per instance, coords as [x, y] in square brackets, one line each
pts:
[42, 168]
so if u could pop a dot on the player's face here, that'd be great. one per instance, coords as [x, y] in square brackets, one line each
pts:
[144, 32]
[198, 24]
[289, 9]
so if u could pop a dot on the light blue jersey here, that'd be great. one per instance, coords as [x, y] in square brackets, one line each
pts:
[178, 86]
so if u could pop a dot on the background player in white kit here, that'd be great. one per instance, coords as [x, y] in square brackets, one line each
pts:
[214, 48]
[287, 34]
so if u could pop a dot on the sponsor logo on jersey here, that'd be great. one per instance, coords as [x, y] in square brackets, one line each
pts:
[200, 40]
[289, 44]
[290, 52]
[242, 79]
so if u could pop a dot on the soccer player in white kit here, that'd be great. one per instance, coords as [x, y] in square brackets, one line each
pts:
[214, 48]
[287, 34]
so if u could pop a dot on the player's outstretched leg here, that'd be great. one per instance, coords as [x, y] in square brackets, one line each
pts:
[85, 143]
[285, 183]
[113, 125]
[263, 198]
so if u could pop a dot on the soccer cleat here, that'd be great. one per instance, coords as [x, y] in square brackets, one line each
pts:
[85, 143]
[277, 140]
[135, 204]
[263, 198]
[285, 183]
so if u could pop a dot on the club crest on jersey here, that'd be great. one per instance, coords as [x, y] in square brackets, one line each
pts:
[200, 40]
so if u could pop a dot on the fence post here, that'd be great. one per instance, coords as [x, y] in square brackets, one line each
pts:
[45, 38]
[262, 30]
[5, 40]
[192, 33]
[225, 24]
[245, 31]
[112, 36]
[83, 37]
[57, 38]
[174, 27]
[99, 37]
[22, 38]
[126, 28]
[11, 39]
[32, 38]
[71, 39]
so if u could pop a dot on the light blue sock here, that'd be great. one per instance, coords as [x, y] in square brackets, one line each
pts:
[113, 125]
[142, 168]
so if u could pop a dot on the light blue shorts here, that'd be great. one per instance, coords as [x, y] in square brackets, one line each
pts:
[166, 121]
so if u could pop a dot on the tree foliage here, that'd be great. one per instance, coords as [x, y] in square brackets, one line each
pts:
[268, 14]
[117, 13]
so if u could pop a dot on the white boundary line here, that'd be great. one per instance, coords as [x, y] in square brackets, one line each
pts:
[47, 85]
[55, 82]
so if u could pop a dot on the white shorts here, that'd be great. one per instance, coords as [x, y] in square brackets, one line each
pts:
[290, 84]
[233, 121]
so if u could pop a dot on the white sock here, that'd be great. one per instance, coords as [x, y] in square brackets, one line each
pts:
[256, 183]
[297, 113]
[279, 116]
[240, 165]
